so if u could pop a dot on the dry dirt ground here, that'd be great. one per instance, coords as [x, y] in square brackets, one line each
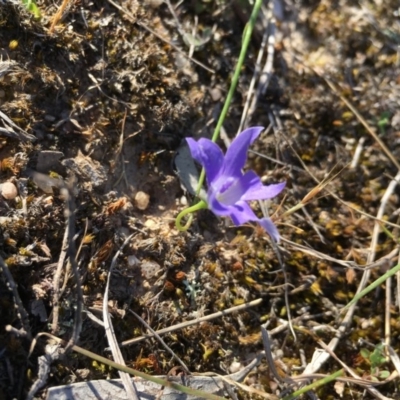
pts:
[100, 100]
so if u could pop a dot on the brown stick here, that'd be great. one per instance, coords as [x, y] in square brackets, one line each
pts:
[58, 15]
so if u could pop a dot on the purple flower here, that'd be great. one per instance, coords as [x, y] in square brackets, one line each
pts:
[229, 188]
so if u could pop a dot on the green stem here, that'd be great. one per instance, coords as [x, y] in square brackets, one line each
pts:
[372, 286]
[235, 79]
[200, 205]
[314, 385]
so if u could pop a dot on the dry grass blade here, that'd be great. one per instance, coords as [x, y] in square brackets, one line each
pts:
[382, 262]
[367, 384]
[246, 114]
[57, 279]
[320, 187]
[71, 252]
[354, 379]
[183, 365]
[313, 193]
[268, 355]
[235, 378]
[388, 306]
[58, 15]
[394, 358]
[398, 285]
[248, 389]
[10, 132]
[286, 292]
[322, 357]
[7, 67]
[112, 341]
[194, 322]
[364, 123]
[266, 73]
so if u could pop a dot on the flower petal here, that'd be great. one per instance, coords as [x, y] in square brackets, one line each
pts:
[222, 210]
[208, 154]
[236, 154]
[256, 190]
[228, 190]
[242, 213]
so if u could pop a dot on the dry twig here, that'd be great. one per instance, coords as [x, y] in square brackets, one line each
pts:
[183, 365]
[323, 356]
[364, 123]
[112, 341]
[268, 41]
[196, 321]
[71, 252]
[58, 15]
[13, 130]
[56, 281]
[21, 312]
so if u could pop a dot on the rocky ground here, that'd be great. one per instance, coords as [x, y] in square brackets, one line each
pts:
[95, 100]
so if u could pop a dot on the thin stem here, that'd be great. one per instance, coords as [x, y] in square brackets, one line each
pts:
[235, 79]
[314, 385]
[372, 286]
[200, 205]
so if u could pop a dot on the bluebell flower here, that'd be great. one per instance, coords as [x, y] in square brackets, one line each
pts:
[229, 189]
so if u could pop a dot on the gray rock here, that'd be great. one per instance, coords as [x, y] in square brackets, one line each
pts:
[114, 389]
[48, 160]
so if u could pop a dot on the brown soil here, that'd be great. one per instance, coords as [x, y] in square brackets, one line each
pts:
[102, 105]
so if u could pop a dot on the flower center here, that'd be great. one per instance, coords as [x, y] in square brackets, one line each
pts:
[230, 191]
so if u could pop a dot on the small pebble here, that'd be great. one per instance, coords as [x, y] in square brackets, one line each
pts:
[151, 224]
[133, 261]
[48, 160]
[142, 200]
[216, 94]
[235, 367]
[49, 118]
[8, 190]
[183, 201]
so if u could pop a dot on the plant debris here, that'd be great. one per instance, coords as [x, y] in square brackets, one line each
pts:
[95, 100]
